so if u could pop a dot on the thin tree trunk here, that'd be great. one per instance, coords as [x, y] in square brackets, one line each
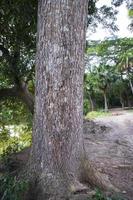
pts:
[91, 103]
[57, 134]
[130, 82]
[121, 101]
[105, 102]
[131, 85]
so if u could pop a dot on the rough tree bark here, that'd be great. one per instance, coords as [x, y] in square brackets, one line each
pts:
[57, 154]
[57, 134]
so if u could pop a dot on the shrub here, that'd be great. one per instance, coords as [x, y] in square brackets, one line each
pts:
[11, 188]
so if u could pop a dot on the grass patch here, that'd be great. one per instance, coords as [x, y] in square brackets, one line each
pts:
[130, 111]
[96, 114]
[100, 196]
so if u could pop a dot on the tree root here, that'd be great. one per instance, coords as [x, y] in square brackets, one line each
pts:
[90, 175]
[130, 167]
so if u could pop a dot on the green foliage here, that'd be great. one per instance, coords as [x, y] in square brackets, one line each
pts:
[15, 125]
[99, 196]
[110, 72]
[15, 136]
[11, 188]
[8, 151]
[14, 112]
[111, 49]
[86, 107]
[15, 144]
[18, 22]
[130, 13]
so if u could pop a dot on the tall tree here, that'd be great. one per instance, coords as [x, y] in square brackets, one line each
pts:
[57, 135]
[104, 76]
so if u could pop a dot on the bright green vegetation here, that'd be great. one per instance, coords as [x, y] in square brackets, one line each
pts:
[15, 126]
[130, 13]
[95, 114]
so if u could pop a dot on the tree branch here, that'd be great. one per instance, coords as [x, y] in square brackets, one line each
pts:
[21, 93]
[8, 92]
[20, 90]
[26, 96]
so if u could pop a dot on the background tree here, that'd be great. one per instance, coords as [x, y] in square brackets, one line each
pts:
[17, 46]
[104, 76]
[89, 89]
[113, 53]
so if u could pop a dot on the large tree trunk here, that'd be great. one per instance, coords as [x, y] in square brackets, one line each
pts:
[57, 134]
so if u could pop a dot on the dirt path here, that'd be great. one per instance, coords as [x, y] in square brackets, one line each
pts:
[112, 150]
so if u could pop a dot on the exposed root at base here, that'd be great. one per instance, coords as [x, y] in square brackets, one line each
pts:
[90, 175]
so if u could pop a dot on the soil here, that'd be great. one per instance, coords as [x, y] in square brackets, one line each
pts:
[109, 144]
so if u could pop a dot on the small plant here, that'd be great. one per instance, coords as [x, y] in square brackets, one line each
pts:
[100, 196]
[11, 188]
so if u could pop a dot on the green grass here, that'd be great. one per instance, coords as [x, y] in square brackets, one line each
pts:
[96, 114]
[130, 111]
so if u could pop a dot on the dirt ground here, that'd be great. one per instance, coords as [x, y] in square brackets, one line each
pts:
[110, 147]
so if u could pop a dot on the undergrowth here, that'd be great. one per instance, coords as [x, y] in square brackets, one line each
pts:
[100, 196]
[11, 188]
